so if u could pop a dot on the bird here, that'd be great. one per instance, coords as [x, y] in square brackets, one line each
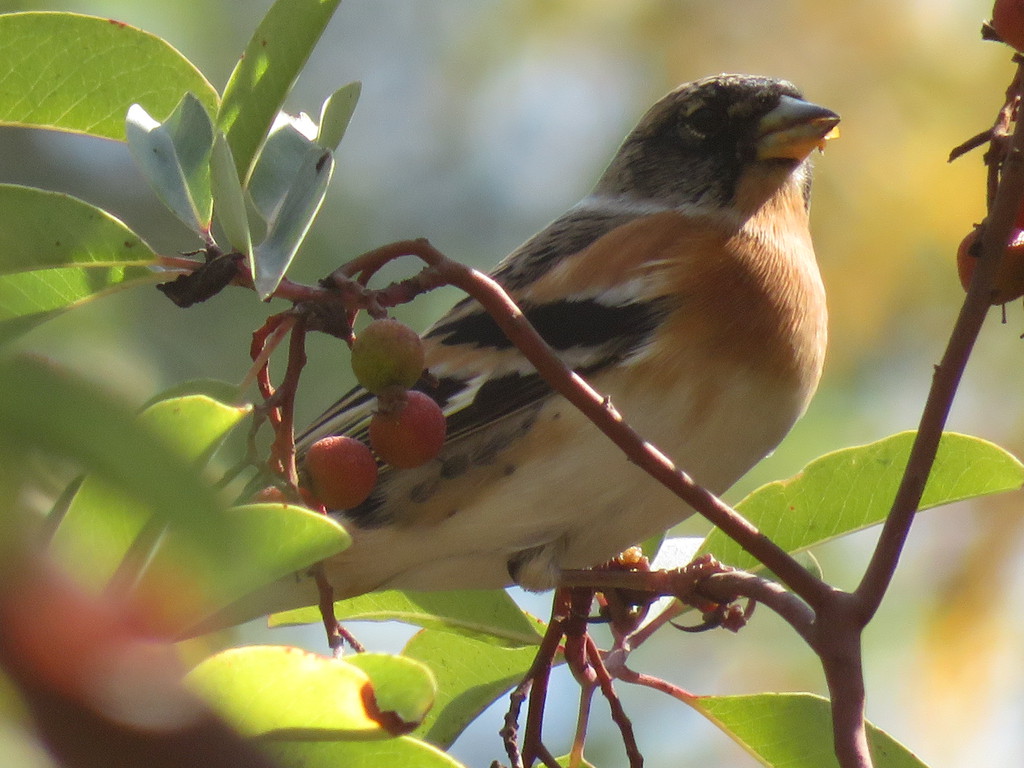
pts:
[684, 287]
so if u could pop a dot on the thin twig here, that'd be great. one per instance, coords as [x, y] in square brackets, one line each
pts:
[509, 732]
[267, 344]
[283, 447]
[972, 143]
[582, 721]
[619, 716]
[536, 675]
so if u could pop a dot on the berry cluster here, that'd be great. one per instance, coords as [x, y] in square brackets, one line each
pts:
[407, 429]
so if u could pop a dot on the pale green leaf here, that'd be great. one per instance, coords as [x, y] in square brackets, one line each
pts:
[229, 198]
[174, 156]
[291, 221]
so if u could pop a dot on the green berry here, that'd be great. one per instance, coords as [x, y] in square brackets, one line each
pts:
[387, 354]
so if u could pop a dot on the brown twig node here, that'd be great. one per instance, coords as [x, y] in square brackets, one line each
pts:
[205, 280]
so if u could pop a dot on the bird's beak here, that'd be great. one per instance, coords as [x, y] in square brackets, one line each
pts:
[794, 129]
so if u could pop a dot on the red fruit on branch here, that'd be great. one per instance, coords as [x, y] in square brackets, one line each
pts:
[408, 429]
[387, 354]
[1009, 282]
[341, 470]
[967, 257]
[1008, 22]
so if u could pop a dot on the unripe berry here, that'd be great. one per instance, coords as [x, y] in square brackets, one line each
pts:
[408, 429]
[387, 354]
[342, 471]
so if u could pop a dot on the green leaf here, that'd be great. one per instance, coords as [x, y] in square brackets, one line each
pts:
[488, 615]
[277, 169]
[404, 751]
[57, 251]
[264, 75]
[215, 389]
[288, 188]
[267, 542]
[793, 730]
[49, 409]
[285, 234]
[403, 687]
[470, 676]
[853, 488]
[336, 114]
[287, 694]
[229, 198]
[105, 519]
[194, 425]
[81, 73]
[174, 156]
[309, 711]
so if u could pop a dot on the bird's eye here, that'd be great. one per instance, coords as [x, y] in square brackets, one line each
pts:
[701, 124]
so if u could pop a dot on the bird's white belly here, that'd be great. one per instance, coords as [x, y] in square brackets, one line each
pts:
[584, 503]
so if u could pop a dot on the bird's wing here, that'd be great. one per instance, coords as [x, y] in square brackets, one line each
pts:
[476, 374]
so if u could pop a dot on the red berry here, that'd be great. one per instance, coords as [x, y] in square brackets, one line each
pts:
[967, 257]
[408, 429]
[1008, 22]
[387, 354]
[1009, 282]
[342, 471]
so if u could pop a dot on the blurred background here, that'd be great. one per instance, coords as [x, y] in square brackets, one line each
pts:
[481, 120]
